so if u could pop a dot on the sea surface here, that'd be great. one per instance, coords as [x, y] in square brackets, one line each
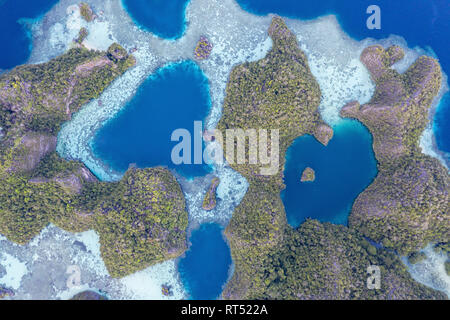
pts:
[15, 18]
[205, 268]
[172, 98]
[164, 18]
[343, 170]
[424, 23]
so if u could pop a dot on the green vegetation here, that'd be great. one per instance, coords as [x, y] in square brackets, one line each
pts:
[326, 261]
[277, 92]
[308, 175]
[141, 219]
[407, 204]
[209, 202]
[52, 165]
[142, 222]
[86, 12]
[36, 184]
[41, 97]
[82, 35]
[318, 260]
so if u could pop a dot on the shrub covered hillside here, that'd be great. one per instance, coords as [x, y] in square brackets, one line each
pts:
[141, 219]
[326, 261]
[318, 260]
[407, 206]
[277, 92]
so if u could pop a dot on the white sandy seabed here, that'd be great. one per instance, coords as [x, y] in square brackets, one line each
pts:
[39, 269]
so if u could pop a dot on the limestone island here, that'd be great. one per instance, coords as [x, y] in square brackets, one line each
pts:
[319, 260]
[209, 202]
[141, 219]
[203, 49]
[86, 12]
[308, 175]
[407, 206]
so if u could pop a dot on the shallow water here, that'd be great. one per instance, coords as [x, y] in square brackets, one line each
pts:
[173, 98]
[164, 18]
[205, 268]
[343, 170]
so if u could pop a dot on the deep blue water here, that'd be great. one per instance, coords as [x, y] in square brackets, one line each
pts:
[204, 269]
[165, 18]
[14, 36]
[424, 23]
[174, 97]
[343, 170]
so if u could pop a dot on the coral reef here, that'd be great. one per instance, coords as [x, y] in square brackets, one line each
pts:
[416, 257]
[209, 202]
[308, 175]
[166, 290]
[408, 203]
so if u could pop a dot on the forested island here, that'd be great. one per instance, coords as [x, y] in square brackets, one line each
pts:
[322, 260]
[141, 219]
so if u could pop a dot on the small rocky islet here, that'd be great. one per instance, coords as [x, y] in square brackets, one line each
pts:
[308, 175]
[209, 201]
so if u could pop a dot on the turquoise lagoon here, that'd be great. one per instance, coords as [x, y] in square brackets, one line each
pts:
[172, 98]
[343, 169]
